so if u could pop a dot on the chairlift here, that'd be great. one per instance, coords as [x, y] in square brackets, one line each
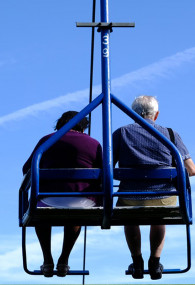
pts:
[107, 215]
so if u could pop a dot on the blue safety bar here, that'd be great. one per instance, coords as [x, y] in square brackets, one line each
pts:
[107, 173]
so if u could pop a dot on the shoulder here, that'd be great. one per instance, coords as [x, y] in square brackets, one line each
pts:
[85, 137]
[44, 139]
[117, 134]
[178, 138]
[163, 130]
[169, 131]
[125, 129]
[171, 134]
[91, 144]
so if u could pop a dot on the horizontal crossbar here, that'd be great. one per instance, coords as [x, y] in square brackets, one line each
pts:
[119, 173]
[145, 173]
[146, 193]
[68, 194]
[71, 173]
[105, 25]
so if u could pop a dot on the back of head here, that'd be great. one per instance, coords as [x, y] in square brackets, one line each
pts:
[67, 116]
[145, 106]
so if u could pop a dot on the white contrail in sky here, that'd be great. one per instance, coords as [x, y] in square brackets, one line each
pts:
[44, 106]
[161, 68]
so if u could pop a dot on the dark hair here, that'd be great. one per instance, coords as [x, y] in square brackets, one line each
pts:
[67, 116]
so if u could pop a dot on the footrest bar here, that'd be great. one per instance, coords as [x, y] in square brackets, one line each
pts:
[165, 271]
[70, 272]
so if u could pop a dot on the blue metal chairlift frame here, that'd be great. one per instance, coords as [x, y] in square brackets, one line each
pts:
[107, 99]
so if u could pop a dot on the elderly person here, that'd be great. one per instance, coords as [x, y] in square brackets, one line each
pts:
[133, 146]
[74, 150]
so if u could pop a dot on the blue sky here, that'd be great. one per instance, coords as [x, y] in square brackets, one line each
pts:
[44, 71]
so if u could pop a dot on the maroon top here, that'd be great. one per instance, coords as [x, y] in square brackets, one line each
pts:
[73, 150]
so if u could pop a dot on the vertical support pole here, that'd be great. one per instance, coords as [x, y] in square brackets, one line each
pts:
[24, 249]
[106, 115]
[188, 247]
[91, 65]
[84, 253]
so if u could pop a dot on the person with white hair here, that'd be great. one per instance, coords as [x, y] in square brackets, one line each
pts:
[133, 146]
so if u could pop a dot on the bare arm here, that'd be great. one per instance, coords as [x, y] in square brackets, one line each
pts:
[190, 166]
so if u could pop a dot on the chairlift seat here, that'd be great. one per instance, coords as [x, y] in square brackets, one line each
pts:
[143, 215]
[93, 216]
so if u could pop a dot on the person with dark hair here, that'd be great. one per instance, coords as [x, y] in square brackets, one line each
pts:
[66, 117]
[133, 146]
[74, 150]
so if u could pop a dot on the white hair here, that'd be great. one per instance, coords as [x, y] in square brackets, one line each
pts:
[145, 106]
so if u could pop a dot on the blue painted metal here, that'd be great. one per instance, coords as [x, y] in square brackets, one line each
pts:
[68, 194]
[148, 193]
[106, 99]
[69, 173]
[145, 173]
[106, 114]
